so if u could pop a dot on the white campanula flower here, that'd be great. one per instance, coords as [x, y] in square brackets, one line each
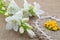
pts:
[30, 10]
[14, 21]
[31, 33]
[12, 7]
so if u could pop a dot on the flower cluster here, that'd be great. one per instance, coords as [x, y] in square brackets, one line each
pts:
[17, 18]
[52, 25]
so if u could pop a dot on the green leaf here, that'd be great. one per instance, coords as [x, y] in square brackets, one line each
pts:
[58, 28]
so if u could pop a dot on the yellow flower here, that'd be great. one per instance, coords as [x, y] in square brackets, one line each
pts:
[55, 29]
[52, 25]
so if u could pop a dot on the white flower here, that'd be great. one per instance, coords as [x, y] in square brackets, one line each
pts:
[31, 33]
[21, 30]
[30, 10]
[37, 9]
[11, 24]
[26, 8]
[12, 7]
[13, 21]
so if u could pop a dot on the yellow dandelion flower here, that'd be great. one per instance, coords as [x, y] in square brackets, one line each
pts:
[52, 25]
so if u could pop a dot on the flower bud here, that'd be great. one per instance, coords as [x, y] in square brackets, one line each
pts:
[25, 19]
[21, 30]
[29, 25]
[31, 33]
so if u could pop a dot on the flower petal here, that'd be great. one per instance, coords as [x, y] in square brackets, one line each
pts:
[41, 12]
[15, 28]
[8, 19]
[8, 26]
[19, 14]
[37, 10]
[12, 8]
[36, 6]
[26, 5]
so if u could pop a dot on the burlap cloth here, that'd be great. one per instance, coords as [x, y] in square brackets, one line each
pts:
[52, 7]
